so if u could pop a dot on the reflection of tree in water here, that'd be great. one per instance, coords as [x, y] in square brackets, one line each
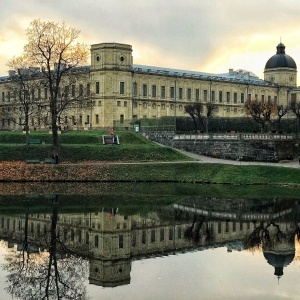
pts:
[262, 234]
[193, 232]
[55, 274]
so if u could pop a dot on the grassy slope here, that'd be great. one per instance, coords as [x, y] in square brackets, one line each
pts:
[87, 145]
[79, 146]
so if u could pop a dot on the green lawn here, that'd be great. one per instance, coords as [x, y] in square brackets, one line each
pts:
[75, 146]
[80, 146]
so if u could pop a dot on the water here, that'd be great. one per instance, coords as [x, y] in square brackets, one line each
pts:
[148, 242]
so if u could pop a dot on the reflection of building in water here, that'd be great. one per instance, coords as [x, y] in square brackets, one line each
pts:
[111, 240]
[279, 247]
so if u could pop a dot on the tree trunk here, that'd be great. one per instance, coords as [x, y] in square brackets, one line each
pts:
[54, 128]
[26, 129]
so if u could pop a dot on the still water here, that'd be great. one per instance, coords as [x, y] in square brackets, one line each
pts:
[147, 242]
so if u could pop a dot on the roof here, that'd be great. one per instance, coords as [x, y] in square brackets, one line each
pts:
[280, 59]
[237, 76]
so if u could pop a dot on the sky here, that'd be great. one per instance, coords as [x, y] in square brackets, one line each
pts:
[199, 35]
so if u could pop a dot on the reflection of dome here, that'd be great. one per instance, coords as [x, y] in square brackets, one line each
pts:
[279, 260]
[280, 59]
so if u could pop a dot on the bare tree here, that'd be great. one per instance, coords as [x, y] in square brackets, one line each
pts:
[53, 48]
[260, 111]
[280, 111]
[23, 102]
[196, 111]
[210, 107]
[56, 274]
[295, 108]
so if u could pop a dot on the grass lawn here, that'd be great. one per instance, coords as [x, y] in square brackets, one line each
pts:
[83, 146]
[76, 146]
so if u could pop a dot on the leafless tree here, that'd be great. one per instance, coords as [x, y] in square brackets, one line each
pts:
[295, 108]
[53, 48]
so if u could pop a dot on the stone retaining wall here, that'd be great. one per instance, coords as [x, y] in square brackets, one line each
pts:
[267, 150]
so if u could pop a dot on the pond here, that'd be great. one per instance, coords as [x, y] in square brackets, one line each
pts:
[118, 241]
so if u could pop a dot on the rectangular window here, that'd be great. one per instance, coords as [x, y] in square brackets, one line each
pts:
[220, 96]
[118, 103]
[219, 227]
[152, 235]
[228, 97]
[122, 88]
[73, 90]
[66, 92]
[197, 94]
[125, 103]
[121, 241]
[145, 90]
[8, 96]
[96, 241]
[179, 232]
[293, 97]
[97, 119]
[134, 89]
[213, 96]
[163, 92]
[189, 93]
[241, 226]
[205, 95]
[172, 92]
[153, 91]
[162, 235]
[88, 89]
[275, 99]
[163, 106]
[171, 234]
[180, 93]
[97, 88]
[242, 98]
[3, 97]
[235, 97]
[80, 90]
[144, 236]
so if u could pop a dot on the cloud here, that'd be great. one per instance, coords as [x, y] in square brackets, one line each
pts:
[198, 35]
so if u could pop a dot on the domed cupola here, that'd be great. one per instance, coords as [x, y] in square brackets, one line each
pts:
[281, 69]
[280, 59]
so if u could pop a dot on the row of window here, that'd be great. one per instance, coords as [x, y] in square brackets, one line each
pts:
[39, 121]
[206, 96]
[43, 93]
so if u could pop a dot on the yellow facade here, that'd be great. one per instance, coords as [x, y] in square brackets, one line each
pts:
[122, 91]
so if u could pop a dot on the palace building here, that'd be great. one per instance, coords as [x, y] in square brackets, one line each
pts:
[121, 91]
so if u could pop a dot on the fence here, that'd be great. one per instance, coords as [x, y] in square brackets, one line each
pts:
[236, 136]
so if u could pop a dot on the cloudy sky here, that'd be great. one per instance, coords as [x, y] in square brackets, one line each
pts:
[200, 35]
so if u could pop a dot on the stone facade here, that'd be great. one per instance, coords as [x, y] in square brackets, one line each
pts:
[121, 91]
[262, 148]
